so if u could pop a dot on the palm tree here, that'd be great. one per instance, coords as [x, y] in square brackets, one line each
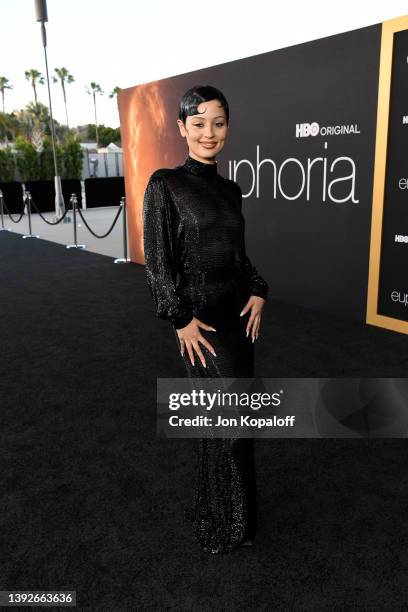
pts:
[9, 127]
[25, 118]
[4, 84]
[114, 92]
[36, 78]
[65, 77]
[32, 120]
[95, 89]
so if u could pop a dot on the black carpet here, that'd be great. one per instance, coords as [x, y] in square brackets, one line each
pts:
[92, 501]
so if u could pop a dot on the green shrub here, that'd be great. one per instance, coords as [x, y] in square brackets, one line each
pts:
[27, 160]
[73, 158]
[7, 164]
[34, 166]
[46, 159]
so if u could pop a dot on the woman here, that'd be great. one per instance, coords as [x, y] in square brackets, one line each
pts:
[203, 283]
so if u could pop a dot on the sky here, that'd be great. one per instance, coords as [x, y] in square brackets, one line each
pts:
[125, 42]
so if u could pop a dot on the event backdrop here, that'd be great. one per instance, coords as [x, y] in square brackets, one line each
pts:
[302, 145]
[387, 304]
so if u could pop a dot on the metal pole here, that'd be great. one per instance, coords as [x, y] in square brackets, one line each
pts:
[89, 164]
[2, 229]
[125, 258]
[105, 159]
[74, 200]
[29, 213]
[41, 12]
[30, 234]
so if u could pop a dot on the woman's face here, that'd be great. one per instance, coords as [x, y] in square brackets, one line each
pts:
[205, 132]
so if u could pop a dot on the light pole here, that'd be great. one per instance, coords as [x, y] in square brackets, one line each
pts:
[42, 16]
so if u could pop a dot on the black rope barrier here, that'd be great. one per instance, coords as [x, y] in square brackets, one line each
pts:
[73, 203]
[9, 213]
[109, 231]
[44, 218]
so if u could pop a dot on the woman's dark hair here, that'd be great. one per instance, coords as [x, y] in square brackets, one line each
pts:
[197, 94]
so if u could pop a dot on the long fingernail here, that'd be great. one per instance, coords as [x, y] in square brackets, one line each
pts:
[214, 354]
[253, 339]
[247, 334]
[213, 329]
[204, 365]
[241, 314]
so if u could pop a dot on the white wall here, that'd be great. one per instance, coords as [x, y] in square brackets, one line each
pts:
[109, 164]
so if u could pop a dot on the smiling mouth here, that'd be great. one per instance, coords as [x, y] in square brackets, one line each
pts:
[208, 144]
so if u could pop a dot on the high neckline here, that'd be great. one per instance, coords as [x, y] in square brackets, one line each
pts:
[200, 168]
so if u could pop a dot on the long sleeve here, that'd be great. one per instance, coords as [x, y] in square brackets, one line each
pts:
[159, 249]
[258, 285]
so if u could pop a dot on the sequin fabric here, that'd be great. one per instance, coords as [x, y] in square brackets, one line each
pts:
[196, 265]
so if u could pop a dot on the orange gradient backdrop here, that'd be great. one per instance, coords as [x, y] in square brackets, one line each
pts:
[150, 140]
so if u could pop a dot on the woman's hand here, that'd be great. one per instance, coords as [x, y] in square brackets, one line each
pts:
[255, 304]
[190, 336]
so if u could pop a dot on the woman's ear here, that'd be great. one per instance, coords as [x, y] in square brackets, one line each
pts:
[181, 128]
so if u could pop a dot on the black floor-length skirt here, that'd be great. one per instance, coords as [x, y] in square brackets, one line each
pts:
[223, 508]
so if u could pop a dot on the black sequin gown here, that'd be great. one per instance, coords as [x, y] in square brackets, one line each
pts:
[196, 265]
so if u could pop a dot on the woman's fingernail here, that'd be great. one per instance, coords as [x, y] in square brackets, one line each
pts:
[204, 365]
[247, 334]
[241, 314]
[214, 354]
[253, 339]
[213, 329]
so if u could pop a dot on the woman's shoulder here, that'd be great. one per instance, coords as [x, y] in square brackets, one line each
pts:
[164, 178]
[160, 173]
